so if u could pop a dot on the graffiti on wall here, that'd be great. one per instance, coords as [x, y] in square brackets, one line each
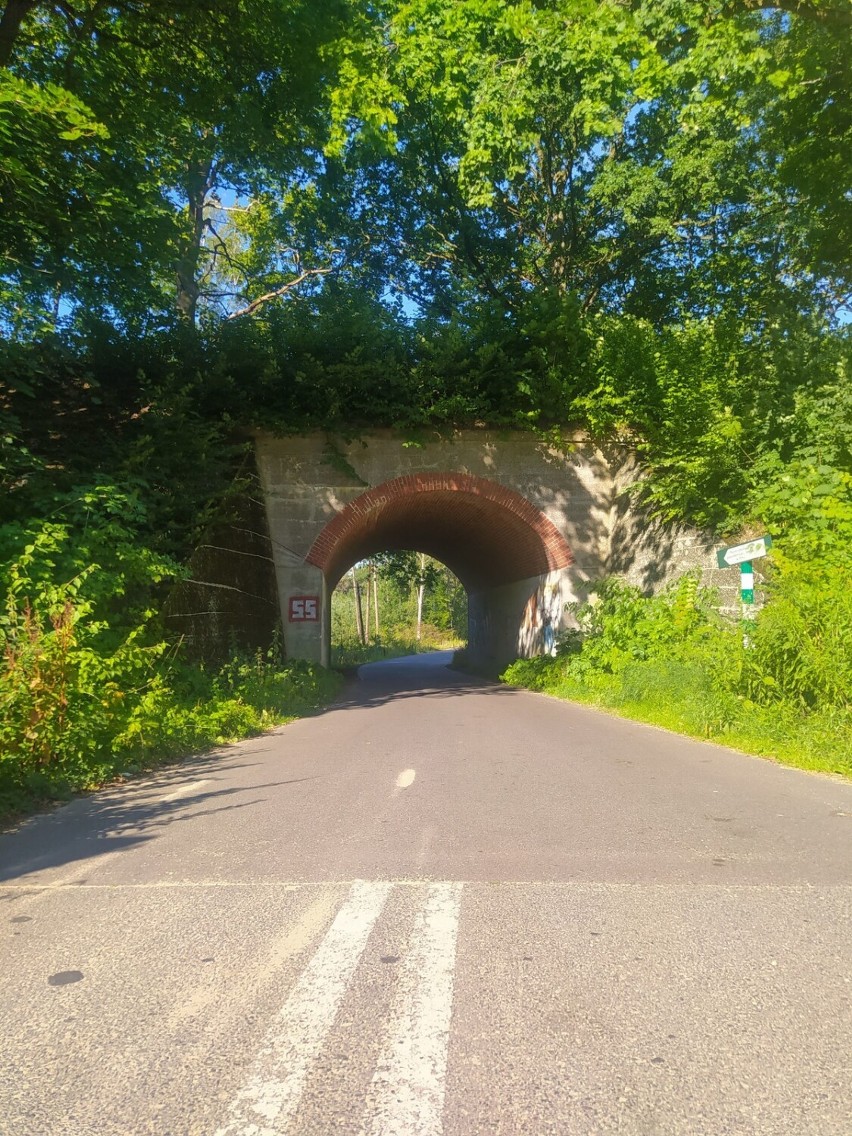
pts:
[542, 618]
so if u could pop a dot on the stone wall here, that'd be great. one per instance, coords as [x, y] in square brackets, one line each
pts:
[230, 599]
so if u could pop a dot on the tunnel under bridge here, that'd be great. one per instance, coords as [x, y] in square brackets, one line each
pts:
[524, 525]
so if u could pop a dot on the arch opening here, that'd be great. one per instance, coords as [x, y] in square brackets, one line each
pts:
[397, 603]
[500, 546]
[487, 534]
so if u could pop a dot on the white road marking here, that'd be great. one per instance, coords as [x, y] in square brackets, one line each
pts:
[184, 789]
[298, 937]
[407, 1091]
[269, 1100]
[405, 779]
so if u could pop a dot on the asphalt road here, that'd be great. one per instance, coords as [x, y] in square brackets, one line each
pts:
[441, 906]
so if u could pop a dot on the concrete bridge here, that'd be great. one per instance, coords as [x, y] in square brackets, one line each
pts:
[524, 526]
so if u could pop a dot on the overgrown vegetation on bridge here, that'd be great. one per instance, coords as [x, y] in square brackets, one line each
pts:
[631, 217]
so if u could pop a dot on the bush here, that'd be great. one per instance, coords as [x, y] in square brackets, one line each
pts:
[802, 641]
[83, 699]
[670, 660]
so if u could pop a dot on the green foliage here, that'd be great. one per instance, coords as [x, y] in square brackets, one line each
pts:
[803, 490]
[73, 715]
[731, 429]
[127, 130]
[89, 688]
[654, 158]
[628, 217]
[39, 128]
[87, 551]
[802, 643]
[64, 695]
[670, 660]
[624, 626]
[398, 576]
[658, 159]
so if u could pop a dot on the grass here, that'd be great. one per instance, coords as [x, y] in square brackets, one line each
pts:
[680, 698]
[353, 654]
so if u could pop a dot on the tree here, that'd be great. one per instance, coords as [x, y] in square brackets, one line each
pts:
[150, 123]
[639, 156]
[359, 615]
[414, 571]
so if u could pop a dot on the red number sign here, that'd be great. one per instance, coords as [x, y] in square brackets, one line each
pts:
[304, 609]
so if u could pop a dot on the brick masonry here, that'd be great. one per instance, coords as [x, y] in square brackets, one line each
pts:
[439, 510]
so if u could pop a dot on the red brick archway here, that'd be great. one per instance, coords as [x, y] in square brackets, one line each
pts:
[486, 533]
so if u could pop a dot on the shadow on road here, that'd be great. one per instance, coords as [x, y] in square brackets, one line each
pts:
[112, 820]
[413, 676]
[135, 813]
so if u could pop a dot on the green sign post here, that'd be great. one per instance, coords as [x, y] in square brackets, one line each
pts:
[746, 583]
[743, 555]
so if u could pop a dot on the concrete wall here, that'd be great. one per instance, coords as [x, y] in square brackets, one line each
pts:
[650, 554]
[308, 480]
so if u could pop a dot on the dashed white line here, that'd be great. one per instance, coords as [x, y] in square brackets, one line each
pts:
[184, 789]
[407, 1091]
[405, 779]
[269, 1100]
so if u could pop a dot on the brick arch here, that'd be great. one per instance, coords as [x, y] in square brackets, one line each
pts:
[485, 532]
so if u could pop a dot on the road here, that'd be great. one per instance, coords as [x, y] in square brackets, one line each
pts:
[441, 906]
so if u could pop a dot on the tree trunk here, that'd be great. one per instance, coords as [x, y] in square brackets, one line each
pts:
[198, 183]
[375, 575]
[14, 14]
[367, 619]
[421, 592]
[359, 618]
[421, 588]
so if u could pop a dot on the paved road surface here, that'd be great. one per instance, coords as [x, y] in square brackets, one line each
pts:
[443, 906]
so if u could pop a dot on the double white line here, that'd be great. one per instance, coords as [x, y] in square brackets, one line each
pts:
[407, 1091]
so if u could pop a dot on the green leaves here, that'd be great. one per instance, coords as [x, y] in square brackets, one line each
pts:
[124, 126]
[630, 155]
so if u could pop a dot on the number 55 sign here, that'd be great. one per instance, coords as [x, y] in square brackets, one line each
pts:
[304, 609]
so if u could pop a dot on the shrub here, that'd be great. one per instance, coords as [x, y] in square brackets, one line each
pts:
[802, 640]
[670, 660]
[82, 700]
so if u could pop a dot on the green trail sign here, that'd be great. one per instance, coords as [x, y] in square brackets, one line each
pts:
[737, 553]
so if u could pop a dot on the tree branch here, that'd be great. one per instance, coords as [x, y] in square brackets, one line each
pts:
[276, 293]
